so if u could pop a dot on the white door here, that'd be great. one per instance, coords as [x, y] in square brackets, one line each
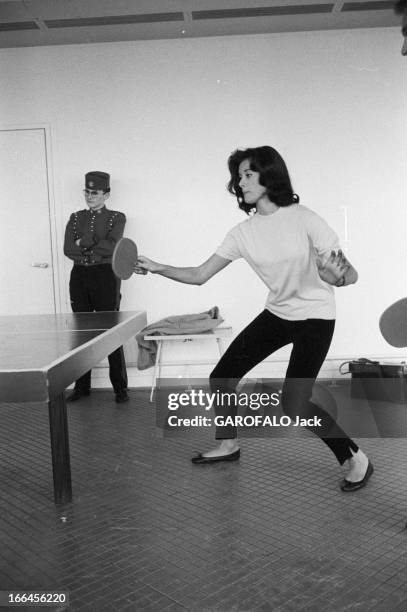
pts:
[26, 276]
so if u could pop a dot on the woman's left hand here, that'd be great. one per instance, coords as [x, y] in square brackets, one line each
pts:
[335, 268]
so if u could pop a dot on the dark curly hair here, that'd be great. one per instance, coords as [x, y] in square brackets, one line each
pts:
[273, 175]
[400, 7]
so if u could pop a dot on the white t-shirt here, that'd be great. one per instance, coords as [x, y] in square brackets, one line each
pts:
[283, 249]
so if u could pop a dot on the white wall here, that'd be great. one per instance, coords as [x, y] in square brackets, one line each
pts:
[162, 118]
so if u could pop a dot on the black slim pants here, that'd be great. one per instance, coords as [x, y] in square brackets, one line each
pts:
[267, 333]
[94, 289]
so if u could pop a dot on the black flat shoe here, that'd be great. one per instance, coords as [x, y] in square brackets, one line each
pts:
[121, 397]
[348, 486]
[77, 394]
[231, 457]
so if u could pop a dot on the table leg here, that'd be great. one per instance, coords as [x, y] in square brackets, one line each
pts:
[157, 368]
[221, 348]
[61, 466]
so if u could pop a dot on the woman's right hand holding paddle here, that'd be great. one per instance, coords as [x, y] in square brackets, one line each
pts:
[144, 265]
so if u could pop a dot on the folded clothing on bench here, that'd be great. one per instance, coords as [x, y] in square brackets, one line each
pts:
[176, 324]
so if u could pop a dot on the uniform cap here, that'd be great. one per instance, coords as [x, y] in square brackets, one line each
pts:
[97, 180]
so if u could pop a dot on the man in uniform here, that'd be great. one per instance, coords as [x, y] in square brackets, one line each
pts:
[90, 237]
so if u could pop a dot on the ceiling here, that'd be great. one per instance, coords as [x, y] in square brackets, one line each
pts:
[61, 22]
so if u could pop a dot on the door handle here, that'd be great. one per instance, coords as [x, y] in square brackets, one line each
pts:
[42, 264]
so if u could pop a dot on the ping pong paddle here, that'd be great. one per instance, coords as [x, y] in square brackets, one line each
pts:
[393, 324]
[124, 258]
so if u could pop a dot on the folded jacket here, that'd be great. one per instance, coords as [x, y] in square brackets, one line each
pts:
[177, 324]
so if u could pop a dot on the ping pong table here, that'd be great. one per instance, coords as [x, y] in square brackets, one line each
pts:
[41, 355]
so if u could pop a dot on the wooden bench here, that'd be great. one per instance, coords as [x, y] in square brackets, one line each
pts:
[217, 334]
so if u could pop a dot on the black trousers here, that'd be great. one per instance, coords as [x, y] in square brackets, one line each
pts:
[267, 333]
[93, 289]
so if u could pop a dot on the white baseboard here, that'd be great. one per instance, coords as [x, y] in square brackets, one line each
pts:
[266, 369]
[186, 352]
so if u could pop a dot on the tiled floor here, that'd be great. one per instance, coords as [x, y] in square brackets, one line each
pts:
[149, 531]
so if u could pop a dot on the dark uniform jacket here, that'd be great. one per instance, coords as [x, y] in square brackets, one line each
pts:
[99, 232]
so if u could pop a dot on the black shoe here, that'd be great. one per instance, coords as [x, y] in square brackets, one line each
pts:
[77, 394]
[348, 486]
[122, 396]
[230, 457]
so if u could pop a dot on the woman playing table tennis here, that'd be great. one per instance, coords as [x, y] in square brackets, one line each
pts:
[297, 255]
